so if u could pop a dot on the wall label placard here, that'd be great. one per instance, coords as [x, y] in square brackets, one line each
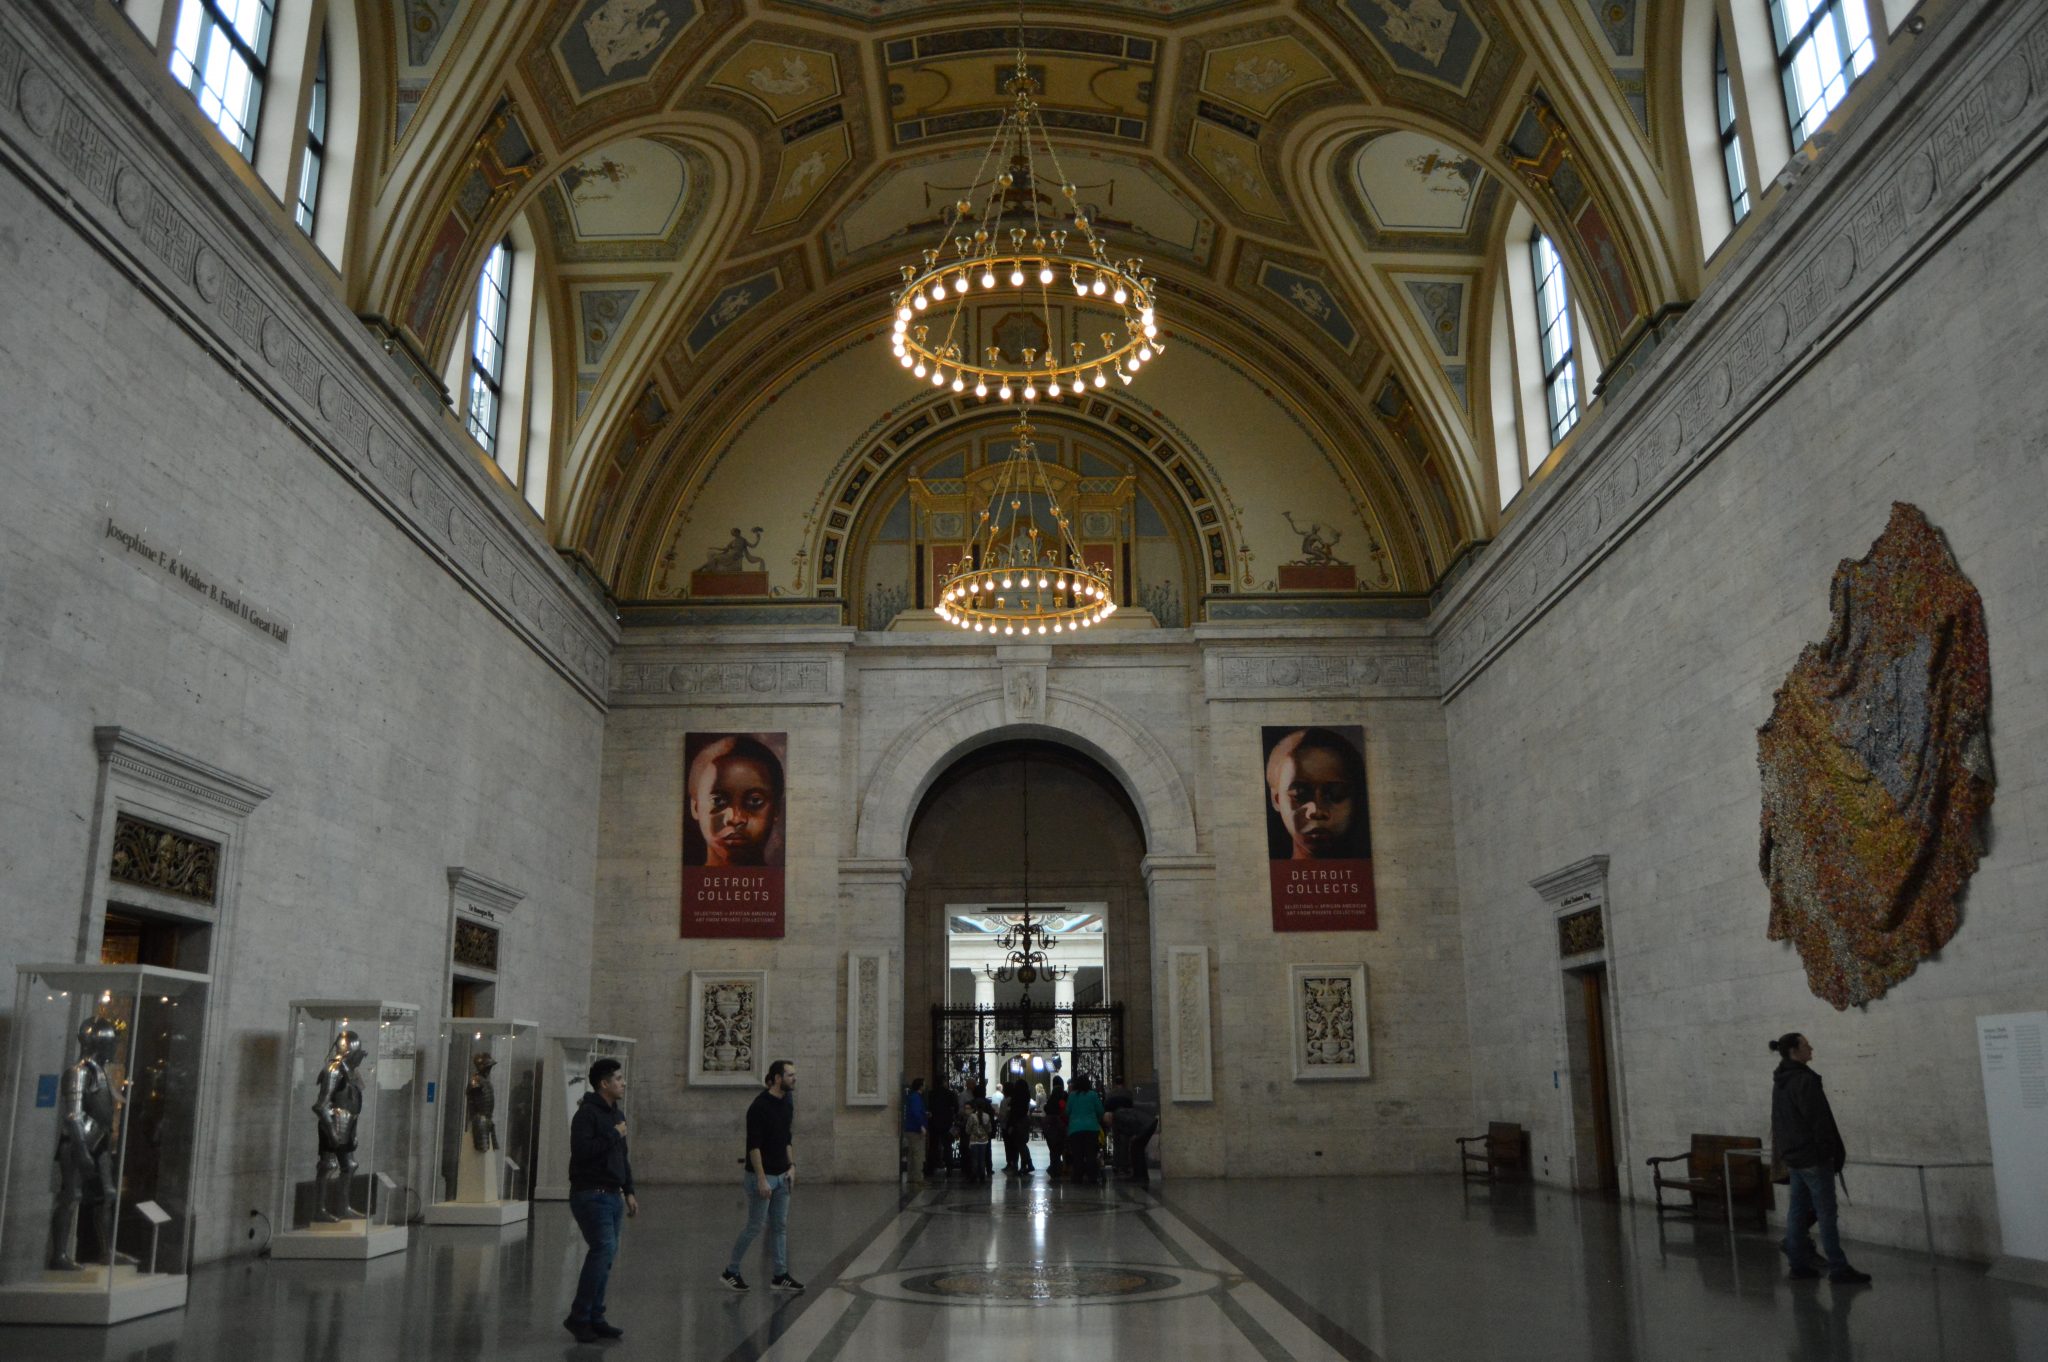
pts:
[198, 581]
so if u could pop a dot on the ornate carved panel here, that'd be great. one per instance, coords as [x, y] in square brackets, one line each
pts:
[867, 1028]
[1580, 932]
[1330, 1015]
[476, 945]
[727, 1009]
[1187, 976]
[165, 860]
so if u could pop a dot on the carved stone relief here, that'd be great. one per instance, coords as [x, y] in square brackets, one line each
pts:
[726, 1011]
[1330, 1018]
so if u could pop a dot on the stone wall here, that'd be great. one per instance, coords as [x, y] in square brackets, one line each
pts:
[1611, 658]
[411, 681]
[874, 719]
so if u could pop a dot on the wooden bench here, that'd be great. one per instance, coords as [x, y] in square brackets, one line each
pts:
[1713, 1180]
[1503, 1153]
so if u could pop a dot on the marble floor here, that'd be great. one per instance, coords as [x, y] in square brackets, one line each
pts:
[1397, 1269]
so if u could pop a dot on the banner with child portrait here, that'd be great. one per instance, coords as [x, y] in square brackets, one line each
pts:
[733, 834]
[1318, 839]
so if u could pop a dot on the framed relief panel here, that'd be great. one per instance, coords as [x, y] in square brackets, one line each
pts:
[1329, 1018]
[728, 1014]
[867, 1029]
[1187, 973]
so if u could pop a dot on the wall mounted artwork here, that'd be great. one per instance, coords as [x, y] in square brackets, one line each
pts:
[1876, 765]
[1187, 975]
[728, 1012]
[869, 1083]
[1318, 835]
[733, 834]
[1329, 1018]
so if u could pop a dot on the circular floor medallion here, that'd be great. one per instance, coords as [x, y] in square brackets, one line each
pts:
[983, 1285]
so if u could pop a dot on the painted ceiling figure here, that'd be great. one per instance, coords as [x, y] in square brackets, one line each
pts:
[736, 554]
[1318, 544]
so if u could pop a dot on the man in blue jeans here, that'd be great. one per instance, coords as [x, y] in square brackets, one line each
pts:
[1805, 1138]
[600, 1195]
[770, 1176]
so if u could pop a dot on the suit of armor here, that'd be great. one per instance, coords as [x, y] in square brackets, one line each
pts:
[85, 1149]
[481, 1102]
[338, 1106]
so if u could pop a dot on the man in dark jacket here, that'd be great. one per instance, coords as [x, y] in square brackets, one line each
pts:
[600, 1195]
[1806, 1140]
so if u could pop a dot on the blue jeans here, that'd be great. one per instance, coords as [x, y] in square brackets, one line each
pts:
[600, 1215]
[773, 1208]
[1813, 1200]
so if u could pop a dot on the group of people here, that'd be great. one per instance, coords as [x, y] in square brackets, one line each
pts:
[601, 1193]
[958, 1126]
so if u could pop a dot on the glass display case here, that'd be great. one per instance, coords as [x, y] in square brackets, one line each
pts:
[564, 1078]
[485, 1109]
[103, 1114]
[351, 1080]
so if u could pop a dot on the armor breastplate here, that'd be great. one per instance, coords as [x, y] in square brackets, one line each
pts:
[92, 1097]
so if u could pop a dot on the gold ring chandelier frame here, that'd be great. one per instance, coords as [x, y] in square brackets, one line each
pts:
[1020, 581]
[1022, 264]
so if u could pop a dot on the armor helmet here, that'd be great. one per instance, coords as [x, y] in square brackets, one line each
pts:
[97, 1038]
[482, 1062]
[348, 1048]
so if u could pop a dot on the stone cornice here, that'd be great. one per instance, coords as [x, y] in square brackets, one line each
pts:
[472, 888]
[138, 180]
[1579, 877]
[1966, 109]
[150, 762]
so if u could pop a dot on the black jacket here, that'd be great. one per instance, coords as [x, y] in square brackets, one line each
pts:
[597, 1151]
[1803, 1131]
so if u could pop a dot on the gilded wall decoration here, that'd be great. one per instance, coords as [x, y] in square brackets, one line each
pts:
[1329, 1018]
[1580, 932]
[727, 1008]
[1876, 766]
[476, 945]
[157, 858]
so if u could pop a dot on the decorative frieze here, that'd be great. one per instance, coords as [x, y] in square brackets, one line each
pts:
[867, 1028]
[1187, 980]
[1580, 932]
[1970, 96]
[1279, 676]
[140, 200]
[476, 945]
[756, 680]
[163, 859]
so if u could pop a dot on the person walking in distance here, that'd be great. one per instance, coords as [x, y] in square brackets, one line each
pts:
[770, 1177]
[914, 1120]
[600, 1195]
[1805, 1139]
[1084, 1130]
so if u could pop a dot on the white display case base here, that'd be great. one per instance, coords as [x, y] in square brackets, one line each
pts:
[84, 1296]
[476, 1213]
[342, 1239]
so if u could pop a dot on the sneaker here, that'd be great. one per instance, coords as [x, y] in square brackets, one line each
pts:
[733, 1279]
[605, 1329]
[1848, 1276]
[1803, 1274]
[782, 1281]
[581, 1328]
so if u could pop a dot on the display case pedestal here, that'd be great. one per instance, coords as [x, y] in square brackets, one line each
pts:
[88, 1296]
[346, 1239]
[490, 1069]
[564, 1080]
[479, 1173]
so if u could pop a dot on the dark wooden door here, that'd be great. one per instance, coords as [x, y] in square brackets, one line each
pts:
[1592, 992]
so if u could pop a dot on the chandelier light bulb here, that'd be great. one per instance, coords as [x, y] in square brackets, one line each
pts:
[1121, 295]
[988, 278]
[980, 388]
[1030, 393]
[1144, 354]
[959, 384]
[1100, 287]
[903, 315]
[1009, 629]
[1006, 583]
[1016, 278]
[960, 282]
[1004, 392]
[1045, 274]
[1079, 387]
[938, 290]
[1150, 330]
[938, 379]
[920, 302]
[905, 356]
[1041, 628]
[919, 370]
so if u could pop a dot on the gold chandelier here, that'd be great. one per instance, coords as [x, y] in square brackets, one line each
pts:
[1015, 255]
[1016, 579]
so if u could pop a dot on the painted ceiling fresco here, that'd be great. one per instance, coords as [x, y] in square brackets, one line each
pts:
[725, 189]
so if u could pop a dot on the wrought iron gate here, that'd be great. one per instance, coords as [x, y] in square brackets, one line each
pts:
[966, 1039]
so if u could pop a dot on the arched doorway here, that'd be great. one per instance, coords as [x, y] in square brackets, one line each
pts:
[966, 851]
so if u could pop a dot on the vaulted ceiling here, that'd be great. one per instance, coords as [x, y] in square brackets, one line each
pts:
[722, 191]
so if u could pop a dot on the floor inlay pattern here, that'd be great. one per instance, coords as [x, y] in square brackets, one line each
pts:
[1039, 1284]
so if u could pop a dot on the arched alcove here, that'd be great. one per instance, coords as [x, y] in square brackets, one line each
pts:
[967, 846]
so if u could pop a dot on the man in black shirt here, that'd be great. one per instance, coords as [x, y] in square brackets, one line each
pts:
[600, 1195]
[770, 1176]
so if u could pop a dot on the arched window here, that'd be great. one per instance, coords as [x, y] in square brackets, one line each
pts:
[1554, 332]
[1823, 46]
[1731, 132]
[220, 54]
[487, 347]
[310, 159]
